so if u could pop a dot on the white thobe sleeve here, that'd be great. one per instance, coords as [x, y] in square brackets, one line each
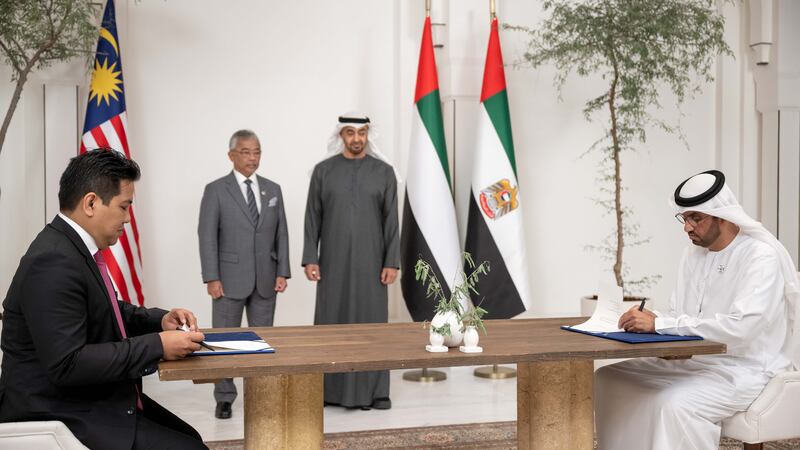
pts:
[754, 300]
[672, 310]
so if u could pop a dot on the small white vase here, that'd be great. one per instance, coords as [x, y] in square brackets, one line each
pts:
[436, 339]
[471, 337]
[456, 331]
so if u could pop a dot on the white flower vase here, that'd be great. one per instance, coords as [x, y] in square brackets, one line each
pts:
[471, 341]
[436, 339]
[456, 333]
[471, 337]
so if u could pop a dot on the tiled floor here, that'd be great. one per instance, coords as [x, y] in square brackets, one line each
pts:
[462, 398]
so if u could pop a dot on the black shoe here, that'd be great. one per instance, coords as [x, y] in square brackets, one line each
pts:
[223, 410]
[382, 403]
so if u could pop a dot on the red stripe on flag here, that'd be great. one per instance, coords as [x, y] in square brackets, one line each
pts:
[116, 122]
[136, 234]
[116, 274]
[83, 148]
[126, 247]
[99, 137]
[494, 78]
[427, 80]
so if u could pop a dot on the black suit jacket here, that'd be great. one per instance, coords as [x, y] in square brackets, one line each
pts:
[63, 355]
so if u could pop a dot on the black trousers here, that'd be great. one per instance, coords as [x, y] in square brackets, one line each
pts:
[157, 428]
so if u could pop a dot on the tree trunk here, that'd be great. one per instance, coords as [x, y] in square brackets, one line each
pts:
[23, 77]
[612, 107]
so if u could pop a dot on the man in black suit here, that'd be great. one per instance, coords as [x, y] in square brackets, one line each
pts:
[72, 351]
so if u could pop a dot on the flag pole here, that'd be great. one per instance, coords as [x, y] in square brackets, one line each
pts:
[425, 375]
[494, 372]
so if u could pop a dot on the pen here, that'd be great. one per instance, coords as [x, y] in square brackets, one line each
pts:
[641, 305]
[202, 344]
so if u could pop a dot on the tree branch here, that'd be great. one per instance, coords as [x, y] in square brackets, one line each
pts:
[13, 60]
[20, 49]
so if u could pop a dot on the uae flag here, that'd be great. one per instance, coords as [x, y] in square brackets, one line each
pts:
[106, 127]
[429, 217]
[494, 226]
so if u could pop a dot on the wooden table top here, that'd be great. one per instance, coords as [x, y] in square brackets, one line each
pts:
[358, 347]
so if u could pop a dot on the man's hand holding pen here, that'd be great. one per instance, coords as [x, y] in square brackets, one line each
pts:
[180, 336]
[638, 320]
[185, 328]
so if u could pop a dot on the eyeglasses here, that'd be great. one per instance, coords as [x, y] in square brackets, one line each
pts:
[248, 153]
[693, 220]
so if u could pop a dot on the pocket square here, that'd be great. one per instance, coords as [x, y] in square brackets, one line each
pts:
[272, 202]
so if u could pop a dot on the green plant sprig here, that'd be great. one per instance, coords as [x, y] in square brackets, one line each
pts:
[444, 330]
[424, 273]
[473, 317]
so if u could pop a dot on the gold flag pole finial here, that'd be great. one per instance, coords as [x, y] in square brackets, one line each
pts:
[427, 8]
[492, 14]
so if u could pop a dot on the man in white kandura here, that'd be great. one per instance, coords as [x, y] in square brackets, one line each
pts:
[736, 285]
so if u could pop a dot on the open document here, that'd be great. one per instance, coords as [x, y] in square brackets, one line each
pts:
[604, 322]
[609, 309]
[239, 345]
[233, 343]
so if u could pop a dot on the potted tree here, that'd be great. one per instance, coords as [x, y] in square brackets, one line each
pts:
[638, 48]
[35, 34]
[447, 321]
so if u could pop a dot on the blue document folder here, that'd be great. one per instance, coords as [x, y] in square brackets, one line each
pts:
[230, 336]
[636, 338]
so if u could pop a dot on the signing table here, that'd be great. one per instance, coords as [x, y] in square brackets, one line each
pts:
[283, 391]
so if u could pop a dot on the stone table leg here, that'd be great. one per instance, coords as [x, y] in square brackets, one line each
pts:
[283, 412]
[554, 406]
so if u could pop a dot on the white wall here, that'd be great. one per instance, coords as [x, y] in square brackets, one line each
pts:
[195, 71]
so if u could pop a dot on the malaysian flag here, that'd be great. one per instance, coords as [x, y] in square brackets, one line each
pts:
[106, 126]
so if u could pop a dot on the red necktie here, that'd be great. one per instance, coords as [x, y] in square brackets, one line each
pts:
[112, 297]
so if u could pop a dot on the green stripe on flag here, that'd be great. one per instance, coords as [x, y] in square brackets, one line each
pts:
[497, 109]
[430, 111]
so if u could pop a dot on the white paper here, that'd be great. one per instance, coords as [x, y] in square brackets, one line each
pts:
[240, 345]
[609, 309]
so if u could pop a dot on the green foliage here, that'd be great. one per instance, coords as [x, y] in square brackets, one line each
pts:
[474, 318]
[638, 47]
[444, 330]
[37, 33]
[423, 272]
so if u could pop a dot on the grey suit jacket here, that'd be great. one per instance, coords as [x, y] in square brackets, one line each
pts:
[235, 250]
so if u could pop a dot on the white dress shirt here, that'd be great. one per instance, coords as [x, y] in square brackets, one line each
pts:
[243, 187]
[87, 238]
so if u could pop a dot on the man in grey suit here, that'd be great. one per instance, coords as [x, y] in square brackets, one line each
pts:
[244, 247]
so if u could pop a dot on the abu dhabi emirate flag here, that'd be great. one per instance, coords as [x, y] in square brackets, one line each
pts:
[106, 126]
[429, 216]
[494, 226]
